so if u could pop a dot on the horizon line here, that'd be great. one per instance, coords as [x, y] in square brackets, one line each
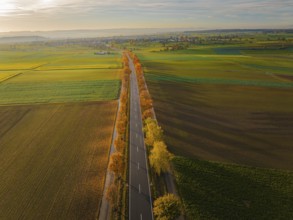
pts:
[149, 28]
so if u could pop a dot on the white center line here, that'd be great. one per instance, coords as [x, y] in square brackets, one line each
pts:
[136, 135]
[140, 216]
[136, 124]
[137, 148]
[139, 188]
[138, 166]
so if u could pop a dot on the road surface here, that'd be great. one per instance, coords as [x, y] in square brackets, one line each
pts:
[140, 205]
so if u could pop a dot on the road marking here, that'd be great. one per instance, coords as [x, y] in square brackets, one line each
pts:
[139, 188]
[138, 166]
[136, 135]
[137, 148]
[140, 216]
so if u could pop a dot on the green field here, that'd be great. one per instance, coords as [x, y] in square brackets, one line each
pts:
[53, 159]
[58, 92]
[62, 75]
[233, 105]
[57, 112]
[26, 57]
[224, 108]
[224, 191]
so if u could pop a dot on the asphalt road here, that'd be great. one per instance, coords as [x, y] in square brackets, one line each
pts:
[140, 206]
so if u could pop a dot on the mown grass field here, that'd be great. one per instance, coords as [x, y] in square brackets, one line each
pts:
[53, 159]
[225, 191]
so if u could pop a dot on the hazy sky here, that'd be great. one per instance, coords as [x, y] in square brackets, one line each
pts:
[18, 15]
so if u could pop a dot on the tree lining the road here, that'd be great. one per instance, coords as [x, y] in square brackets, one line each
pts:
[153, 132]
[116, 192]
[167, 207]
[159, 156]
[146, 101]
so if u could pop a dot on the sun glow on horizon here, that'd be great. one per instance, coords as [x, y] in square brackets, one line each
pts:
[47, 2]
[20, 15]
[6, 7]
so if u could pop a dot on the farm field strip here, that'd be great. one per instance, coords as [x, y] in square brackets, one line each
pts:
[69, 91]
[7, 75]
[223, 109]
[57, 115]
[66, 75]
[226, 191]
[70, 60]
[211, 80]
[53, 159]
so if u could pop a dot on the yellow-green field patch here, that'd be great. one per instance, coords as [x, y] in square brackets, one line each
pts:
[57, 58]
[59, 75]
[67, 75]
[4, 75]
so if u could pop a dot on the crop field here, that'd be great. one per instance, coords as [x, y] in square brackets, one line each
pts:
[44, 57]
[63, 75]
[57, 112]
[230, 108]
[6, 75]
[227, 114]
[224, 191]
[53, 159]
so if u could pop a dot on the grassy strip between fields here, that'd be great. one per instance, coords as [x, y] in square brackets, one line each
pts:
[213, 190]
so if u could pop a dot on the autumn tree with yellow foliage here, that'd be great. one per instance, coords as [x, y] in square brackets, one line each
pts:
[167, 207]
[153, 132]
[117, 159]
[160, 158]
[116, 163]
